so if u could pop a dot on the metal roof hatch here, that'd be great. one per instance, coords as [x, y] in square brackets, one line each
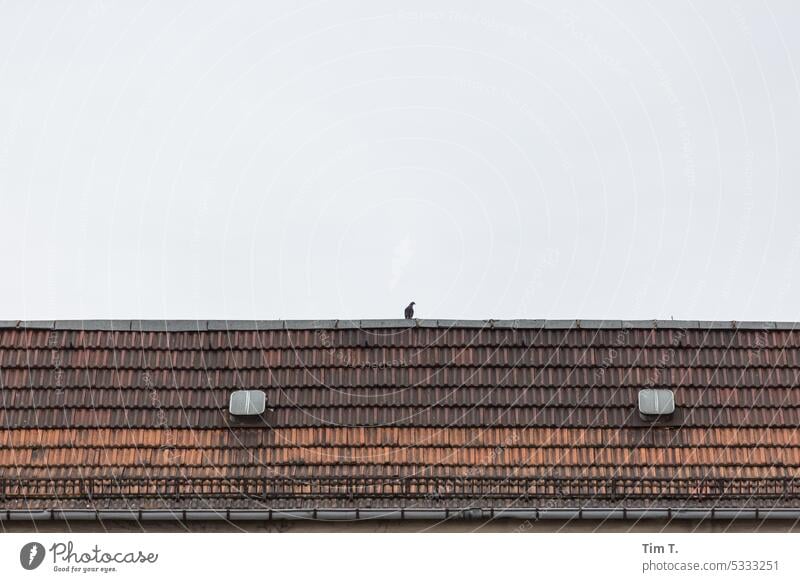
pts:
[656, 402]
[248, 403]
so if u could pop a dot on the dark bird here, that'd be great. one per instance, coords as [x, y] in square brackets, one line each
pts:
[410, 310]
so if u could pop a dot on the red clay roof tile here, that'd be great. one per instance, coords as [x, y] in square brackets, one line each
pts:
[398, 416]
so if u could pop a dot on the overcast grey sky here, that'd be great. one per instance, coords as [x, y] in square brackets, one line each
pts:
[340, 159]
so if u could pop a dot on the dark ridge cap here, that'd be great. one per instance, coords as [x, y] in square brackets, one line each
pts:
[179, 325]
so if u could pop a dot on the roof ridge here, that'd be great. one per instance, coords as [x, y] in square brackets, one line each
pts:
[189, 325]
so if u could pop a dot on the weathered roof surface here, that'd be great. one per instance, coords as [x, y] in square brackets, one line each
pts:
[396, 413]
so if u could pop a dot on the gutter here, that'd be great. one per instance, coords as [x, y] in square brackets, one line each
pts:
[399, 514]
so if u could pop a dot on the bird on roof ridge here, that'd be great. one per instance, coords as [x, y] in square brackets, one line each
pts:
[409, 313]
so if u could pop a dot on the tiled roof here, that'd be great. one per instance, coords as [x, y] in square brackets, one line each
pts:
[395, 413]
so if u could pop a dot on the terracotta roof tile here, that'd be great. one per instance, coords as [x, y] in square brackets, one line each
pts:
[389, 414]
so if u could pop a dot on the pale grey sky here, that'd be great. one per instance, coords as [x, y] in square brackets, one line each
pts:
[339, 159]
